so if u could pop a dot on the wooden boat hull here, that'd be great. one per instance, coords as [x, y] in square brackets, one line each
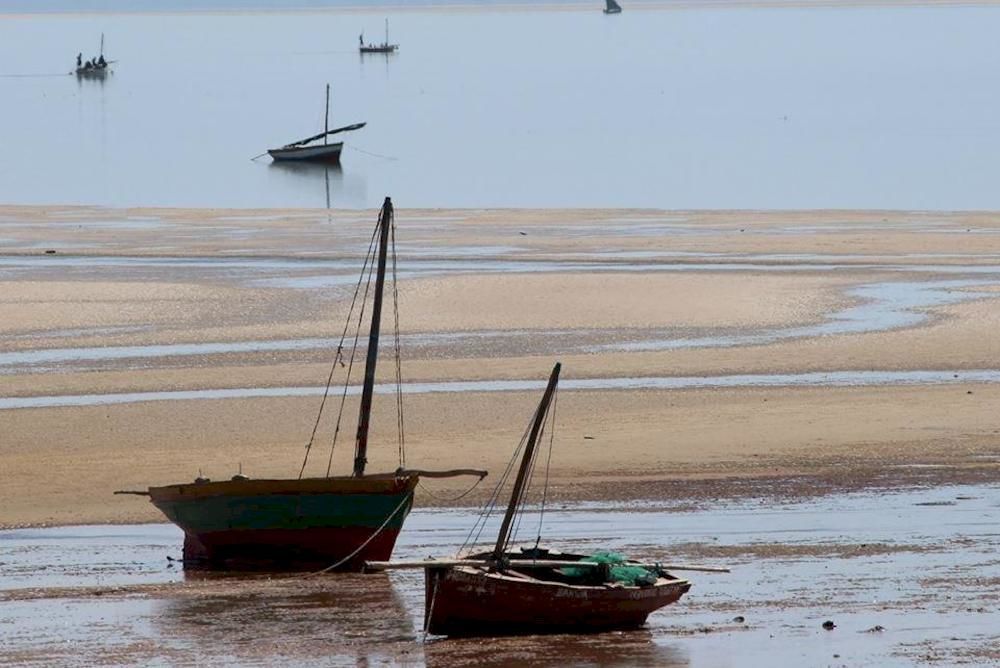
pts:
[379, 49]
[328, 153]
[96, 72]
[287, 524]
[465, 601]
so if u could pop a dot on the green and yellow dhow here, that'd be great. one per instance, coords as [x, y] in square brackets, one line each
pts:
[331, 522]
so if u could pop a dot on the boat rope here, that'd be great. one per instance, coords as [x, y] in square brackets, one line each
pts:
[398, 356]
[451, 500]
[548, 465]
[374, 155]
[520, 511]
[430, 610]
[475, 533]
[407, 498]
[338, 357]
[350, 368]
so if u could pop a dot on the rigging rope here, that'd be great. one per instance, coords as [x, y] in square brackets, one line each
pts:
[350, 367]
[398, 356]
[548, 465]
[479, 525]
[338, 357]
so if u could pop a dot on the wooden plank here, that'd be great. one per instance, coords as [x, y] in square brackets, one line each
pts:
[529, 563]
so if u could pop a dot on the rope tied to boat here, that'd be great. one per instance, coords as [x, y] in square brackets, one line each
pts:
[439, 499]
[406, 499]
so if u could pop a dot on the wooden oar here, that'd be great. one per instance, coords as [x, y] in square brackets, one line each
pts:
[530, 563]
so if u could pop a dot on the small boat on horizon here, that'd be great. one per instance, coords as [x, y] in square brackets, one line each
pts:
[95, 67]
[309, 523]
[533, 589]
[384, 47]
[612, 7]
[325, 152]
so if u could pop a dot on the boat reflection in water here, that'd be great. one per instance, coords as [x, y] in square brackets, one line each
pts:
[300, 620]
[634, 648]
[332, 175]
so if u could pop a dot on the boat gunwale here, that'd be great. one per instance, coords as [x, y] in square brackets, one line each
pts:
[661, 582]
[379, 483]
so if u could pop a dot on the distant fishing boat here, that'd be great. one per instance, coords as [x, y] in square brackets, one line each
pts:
[536, 590]
[330, 523]
[95, 67]
[325, 152]
[612, 7]
[384, 47]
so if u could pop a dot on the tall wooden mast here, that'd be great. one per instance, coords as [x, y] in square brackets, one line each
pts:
[522, 473]
[326, 121]
[364, 416]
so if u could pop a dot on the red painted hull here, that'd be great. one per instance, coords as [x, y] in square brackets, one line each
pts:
[287, 549]
[465, 601]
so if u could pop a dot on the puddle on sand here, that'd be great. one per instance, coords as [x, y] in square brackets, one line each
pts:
[884, 306]
[922, 572]
[813, 379]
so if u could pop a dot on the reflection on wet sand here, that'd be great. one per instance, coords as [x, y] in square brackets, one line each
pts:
[633, 648]
[313, 171]
[299, 620]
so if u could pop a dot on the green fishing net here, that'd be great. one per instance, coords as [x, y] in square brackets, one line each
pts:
[618, 571]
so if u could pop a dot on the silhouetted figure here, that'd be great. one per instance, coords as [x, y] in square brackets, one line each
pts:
[79, 60]
[101, 61]
[361, 39]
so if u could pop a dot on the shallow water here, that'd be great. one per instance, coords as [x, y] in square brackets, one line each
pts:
[674, 107]
[813, 379]
[916, 562]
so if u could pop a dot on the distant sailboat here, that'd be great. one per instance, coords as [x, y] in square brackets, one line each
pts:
[95, 67]
[384, 47]
[325, 152]
[613, 7]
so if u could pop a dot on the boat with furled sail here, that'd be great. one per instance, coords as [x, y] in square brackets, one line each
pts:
[537, 590]
[327, 152]
[612, 7]
[307, 523]
[384, 47]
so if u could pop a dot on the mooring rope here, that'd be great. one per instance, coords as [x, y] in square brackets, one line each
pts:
[452, 500]
[430, 610]
[406, 499]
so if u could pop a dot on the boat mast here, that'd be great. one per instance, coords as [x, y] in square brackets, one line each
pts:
[326, 122]
[361, 449]
[387, 32]
[102, 43]
[522, 473]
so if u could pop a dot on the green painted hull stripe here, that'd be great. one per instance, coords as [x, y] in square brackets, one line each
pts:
[223, 513]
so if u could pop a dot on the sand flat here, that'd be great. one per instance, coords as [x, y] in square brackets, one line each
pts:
[163, 300]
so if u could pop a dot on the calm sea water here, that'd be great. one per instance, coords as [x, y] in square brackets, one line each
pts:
[727, 107]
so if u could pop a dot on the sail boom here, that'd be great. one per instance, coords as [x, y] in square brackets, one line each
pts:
[346, 128]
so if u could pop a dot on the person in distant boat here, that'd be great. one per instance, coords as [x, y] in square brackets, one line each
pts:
[101, 62]
[79, 60]
[361, 39]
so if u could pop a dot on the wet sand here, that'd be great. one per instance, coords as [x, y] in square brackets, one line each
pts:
[696, 345]
[808, 397]
[906, 577]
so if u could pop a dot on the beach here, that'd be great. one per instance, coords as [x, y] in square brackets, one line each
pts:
[151, 346]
